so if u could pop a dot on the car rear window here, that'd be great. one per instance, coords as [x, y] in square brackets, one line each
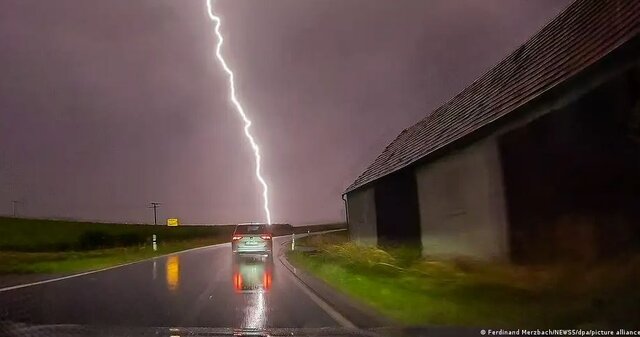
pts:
[251, 229]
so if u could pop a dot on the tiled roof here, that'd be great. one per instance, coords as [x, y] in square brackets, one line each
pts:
[581, 35]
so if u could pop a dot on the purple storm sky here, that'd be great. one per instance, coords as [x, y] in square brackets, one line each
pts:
[108, 105]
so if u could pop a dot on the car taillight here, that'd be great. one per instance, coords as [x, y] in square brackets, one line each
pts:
[236, 237]
[265, 237]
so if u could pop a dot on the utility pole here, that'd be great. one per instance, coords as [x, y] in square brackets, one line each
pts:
[13, 206]
[155, 206]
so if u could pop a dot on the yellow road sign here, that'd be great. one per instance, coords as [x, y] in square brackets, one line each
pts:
[172, 222]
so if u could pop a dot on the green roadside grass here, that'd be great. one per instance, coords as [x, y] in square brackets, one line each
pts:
[79, 261]
[412, 290]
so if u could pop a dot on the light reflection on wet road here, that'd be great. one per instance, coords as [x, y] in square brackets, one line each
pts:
[200, 288]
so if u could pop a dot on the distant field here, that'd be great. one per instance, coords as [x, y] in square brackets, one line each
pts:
[35, 235]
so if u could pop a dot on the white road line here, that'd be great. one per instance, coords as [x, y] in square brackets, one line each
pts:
[19, 286]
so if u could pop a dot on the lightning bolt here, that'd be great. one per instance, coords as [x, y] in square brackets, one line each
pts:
[247, 122]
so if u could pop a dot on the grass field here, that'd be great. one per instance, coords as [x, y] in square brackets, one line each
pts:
[35, 235]
[400, 284]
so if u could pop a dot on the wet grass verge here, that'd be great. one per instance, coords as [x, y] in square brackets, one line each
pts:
[413, 290]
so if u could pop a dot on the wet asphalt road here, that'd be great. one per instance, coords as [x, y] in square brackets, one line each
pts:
[200, 288]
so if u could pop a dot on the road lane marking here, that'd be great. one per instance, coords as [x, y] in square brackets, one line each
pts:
[19, 286]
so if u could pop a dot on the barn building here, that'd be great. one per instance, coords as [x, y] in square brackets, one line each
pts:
[537, 160]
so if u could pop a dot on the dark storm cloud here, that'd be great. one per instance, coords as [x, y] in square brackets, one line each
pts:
[107, 105]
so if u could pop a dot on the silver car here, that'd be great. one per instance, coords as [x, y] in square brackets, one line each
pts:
[252, 238]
